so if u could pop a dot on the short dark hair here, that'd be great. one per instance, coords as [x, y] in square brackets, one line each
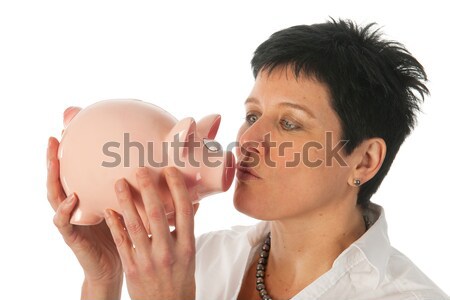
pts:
[375, 85]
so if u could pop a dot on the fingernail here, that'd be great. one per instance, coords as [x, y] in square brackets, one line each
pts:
[121, 185]
[70, 199]
[171, 171]
[107, 213]
[49, 162]
[108, 217]
[142, 172]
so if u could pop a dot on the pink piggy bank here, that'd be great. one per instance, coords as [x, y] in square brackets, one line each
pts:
[111, 139]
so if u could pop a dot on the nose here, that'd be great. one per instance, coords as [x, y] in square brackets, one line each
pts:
[252, 140]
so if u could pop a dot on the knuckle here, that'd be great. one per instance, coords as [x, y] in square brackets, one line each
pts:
[187, 211]
[123, 196]
[156, 214]
[119, 239]
[166, 259]
[134, 227]
[60, 218]
[57, 220]
[148, 268]
[176, 181]
[187, 252]
[131, 271]
[146, 183]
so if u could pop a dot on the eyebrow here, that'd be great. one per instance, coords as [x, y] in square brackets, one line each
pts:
[288, 104]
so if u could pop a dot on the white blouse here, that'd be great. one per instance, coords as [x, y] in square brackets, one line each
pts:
[370, 268]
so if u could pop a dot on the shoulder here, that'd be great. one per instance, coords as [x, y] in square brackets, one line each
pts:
[403, 280]
[408, 280]
[383, 272]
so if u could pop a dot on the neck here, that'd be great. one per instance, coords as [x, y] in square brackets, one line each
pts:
[304, 248]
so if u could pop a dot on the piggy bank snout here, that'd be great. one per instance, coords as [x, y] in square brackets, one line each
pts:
[229, 171]
[216, 173]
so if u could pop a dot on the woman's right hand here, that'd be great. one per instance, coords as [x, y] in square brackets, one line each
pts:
[93, 245]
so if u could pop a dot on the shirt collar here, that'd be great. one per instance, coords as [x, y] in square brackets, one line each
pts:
[374, 244]
[256, 233]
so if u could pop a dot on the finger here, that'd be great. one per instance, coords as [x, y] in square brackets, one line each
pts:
[171, 216]
[133, 222]
[55, 192]
[62, 218]
[154, 209]
[120, 236]
[184, 211]
[52, 147]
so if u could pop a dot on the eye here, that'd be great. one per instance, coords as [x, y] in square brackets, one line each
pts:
[251, 118]
[289, 125]
[212, 145]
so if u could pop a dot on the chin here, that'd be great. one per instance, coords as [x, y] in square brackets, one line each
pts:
[250, 203]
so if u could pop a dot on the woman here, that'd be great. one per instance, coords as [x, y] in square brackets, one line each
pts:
[331, 105]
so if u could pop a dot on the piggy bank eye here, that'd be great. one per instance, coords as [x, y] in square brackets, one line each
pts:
[212, 145]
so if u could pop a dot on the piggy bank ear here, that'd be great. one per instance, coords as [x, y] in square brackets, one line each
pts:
[208, 126]
[183, 130]
[69, 113]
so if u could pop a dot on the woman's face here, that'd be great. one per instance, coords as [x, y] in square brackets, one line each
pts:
[300, 167]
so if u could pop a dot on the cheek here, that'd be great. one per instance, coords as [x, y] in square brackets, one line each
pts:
[304, 187]
[295, 155]
[302, 169]
[238, 139]
[314, 155]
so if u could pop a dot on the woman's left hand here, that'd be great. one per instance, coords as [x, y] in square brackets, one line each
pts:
[161, 266]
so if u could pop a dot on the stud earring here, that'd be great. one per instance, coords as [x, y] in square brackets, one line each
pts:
[357, 182]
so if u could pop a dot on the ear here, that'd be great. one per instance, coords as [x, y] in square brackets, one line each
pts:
[182, 132]
[208, 126]
[370, 154]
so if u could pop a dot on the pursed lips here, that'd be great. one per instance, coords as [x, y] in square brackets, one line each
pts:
[244, 171]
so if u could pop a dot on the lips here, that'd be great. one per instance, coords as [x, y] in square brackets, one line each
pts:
[245, 172]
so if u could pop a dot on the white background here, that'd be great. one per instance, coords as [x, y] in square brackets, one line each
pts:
[191, 58]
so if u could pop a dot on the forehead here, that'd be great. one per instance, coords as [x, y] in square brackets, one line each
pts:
[281, 85]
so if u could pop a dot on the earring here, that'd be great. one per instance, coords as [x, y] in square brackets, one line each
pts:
[357, 182]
